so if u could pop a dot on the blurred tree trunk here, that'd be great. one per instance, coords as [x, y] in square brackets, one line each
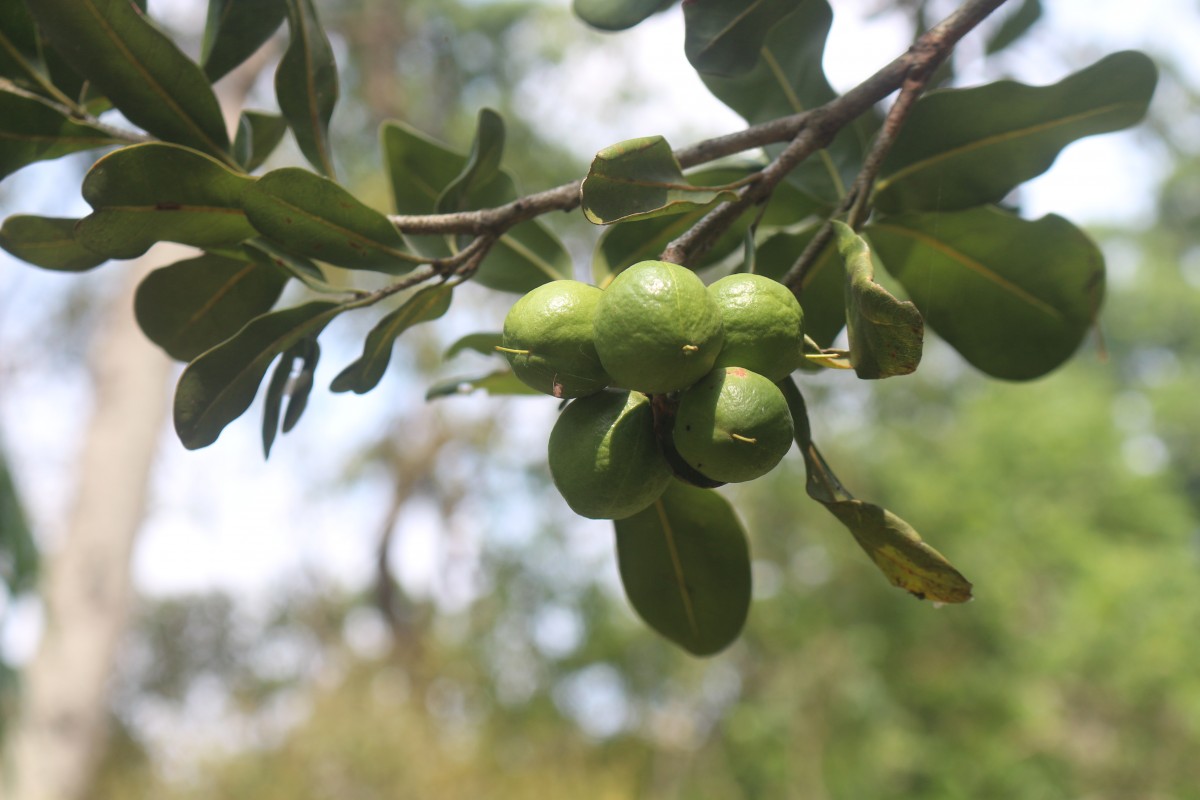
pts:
[85, 585]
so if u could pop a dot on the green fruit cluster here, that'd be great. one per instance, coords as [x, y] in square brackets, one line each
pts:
[670, 378]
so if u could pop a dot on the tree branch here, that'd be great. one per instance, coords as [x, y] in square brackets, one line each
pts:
[807, 133]
[912, 69]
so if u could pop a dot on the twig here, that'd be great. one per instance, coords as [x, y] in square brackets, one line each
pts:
[856, 202]
[806, 133]
[822, 123]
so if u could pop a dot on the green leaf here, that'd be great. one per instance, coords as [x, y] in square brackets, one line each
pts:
[822, 293]
[18, 551]
[885, 333]
[315, 217]
[1014, 297]
[640, 179]
[193, 305]
[306, 84]
[273, 401]
[138, 68]
[364, 373]
[482, 165]
[500, 382]
[626, 243]
[724, 37]
[301, 385]
[158, 192]
[525, 257]
[47, 242]
[32, 130]
[892, 544]
[419, 170]
[788, 78]
[967, 147]
[18, 45]
[257, 137]
[220, 385]
[617, 15]
[482, 343]
[298, 267]
[235, 30]
[1015, 25]
[685, 565]
[426, 176]
[295, 384]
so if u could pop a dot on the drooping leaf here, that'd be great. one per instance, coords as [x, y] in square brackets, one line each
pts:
[306, 84]
[499, 382]
[685, 566]
[159, 192]
[34, 130]
[18, 551]
[257, 137]
[886, 334]
[967, 147]
[893, 545]
[1015, 25]
[301, 385]
[641, 179]
[367, 370]
[143, 73]
[47, 242]
[220, 385]
[1015, 297]
[821, 294]
[482, 165]
[273, 400]
[235, 30]
[617, 15]
[315, 217]
[193, 305]
[788, 78]
[294, 384]
[482, 343]
[724, 37]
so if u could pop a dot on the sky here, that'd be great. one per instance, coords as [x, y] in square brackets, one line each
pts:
[224, 518]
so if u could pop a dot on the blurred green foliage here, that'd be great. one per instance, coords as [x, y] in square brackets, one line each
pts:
[1071, 502]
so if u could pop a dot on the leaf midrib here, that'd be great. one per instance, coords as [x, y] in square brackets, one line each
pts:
[994, 139]
[975, 266]
[677, 567]
[154, 85]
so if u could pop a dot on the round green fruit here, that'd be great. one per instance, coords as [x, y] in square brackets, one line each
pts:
[733, 425]
[657, 328]
[604, 457]
[548, 339]
[764, 325]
